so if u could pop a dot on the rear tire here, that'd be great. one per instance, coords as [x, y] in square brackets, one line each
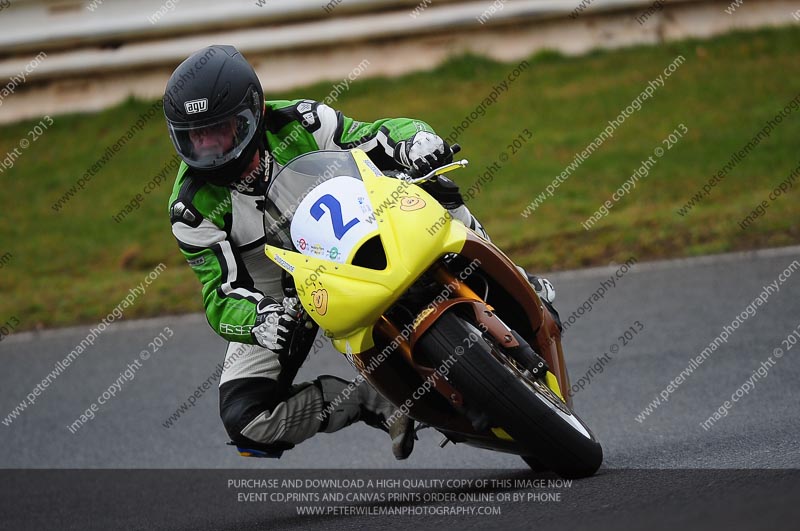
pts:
[552, 434]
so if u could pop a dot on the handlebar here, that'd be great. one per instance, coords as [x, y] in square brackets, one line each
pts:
[439, 171]
[410, 178]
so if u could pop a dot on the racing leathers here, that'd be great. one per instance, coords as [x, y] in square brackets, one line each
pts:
[220, 232]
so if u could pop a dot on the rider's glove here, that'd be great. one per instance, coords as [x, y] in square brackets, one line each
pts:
[275, 323]
[423, 152]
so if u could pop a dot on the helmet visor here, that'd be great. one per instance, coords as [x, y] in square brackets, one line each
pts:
[210, 144]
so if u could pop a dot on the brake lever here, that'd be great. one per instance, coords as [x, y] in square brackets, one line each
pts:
[412, 176]
[441, 170]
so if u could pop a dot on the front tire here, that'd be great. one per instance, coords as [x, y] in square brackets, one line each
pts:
[527, 410]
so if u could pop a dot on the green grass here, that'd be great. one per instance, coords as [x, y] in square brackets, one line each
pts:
[76, 265]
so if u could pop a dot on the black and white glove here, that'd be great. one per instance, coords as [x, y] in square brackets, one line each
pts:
[275, 323]
[423, 152]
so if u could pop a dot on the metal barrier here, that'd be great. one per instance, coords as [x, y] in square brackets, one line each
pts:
[121, 36]
[95, 53]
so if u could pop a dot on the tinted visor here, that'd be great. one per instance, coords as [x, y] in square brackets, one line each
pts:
[212, 143]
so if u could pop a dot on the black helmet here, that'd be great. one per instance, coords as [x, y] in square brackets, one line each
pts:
[214, 105]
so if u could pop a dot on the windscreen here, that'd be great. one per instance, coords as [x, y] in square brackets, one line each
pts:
[317, 205]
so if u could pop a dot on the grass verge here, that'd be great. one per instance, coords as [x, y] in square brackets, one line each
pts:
[77, 264]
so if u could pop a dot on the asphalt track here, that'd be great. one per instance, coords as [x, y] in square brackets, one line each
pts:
[125, 470]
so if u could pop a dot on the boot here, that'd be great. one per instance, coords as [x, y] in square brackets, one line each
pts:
[347, 402]
[546, 292]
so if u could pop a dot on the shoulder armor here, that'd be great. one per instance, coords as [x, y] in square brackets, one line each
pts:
[182, 210]
[303, 111]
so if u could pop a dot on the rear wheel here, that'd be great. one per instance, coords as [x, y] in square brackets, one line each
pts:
[528, 410]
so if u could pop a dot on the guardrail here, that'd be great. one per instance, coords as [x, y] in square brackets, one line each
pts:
[119, 37]
[27, 25]
[97, 57]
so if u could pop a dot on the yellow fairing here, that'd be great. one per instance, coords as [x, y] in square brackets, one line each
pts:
[552, 382]
[500, 433]
[346, 300]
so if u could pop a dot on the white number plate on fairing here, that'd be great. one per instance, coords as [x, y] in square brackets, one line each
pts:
[332, 219]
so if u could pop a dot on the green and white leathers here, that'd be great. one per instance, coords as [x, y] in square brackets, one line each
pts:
[220, 229]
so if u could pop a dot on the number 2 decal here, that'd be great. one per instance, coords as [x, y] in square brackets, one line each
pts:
[335, 209]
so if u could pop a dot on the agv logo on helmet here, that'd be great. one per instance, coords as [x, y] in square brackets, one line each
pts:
[195, 106]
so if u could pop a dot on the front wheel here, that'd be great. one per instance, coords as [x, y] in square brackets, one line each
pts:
[526, 409]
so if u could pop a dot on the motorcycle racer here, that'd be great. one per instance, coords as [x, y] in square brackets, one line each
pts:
[232, 142]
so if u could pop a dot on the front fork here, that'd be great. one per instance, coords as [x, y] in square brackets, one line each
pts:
[487, 320]
[511, 342]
